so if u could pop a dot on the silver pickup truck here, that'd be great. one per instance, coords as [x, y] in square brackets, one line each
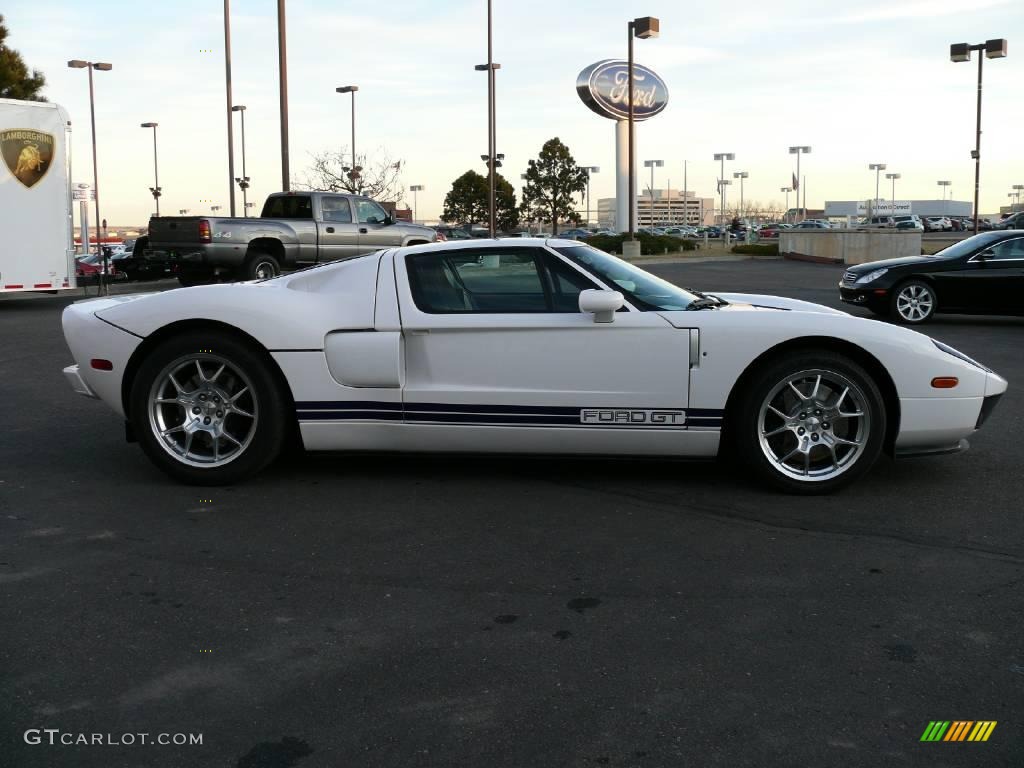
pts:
[295, 229]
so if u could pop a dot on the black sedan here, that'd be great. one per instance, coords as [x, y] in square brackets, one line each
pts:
[982, 275]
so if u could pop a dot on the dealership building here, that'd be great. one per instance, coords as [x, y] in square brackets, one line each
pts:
[858, 209]
[670, 208]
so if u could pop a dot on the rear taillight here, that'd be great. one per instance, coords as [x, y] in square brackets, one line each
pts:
[204, 231]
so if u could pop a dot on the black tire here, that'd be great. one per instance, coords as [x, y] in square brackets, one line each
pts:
[247, 367]
[826, 473]
[913, 302]
[259, 265]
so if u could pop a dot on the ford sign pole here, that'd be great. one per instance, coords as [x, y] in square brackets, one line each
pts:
[643, 27]
[282, 68]
[227, 80]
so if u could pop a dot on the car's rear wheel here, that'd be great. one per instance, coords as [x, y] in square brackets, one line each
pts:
[810, 424]
[207, 409]
[913, 302]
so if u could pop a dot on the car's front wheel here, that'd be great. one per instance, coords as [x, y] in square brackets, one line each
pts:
[207, 409]
[913, 302]
[811, 423]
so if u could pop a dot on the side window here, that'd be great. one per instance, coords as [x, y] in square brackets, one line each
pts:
[494, 281]
[566, 284]
[368, 212]
[1009, 249]
[336, 209]
[288, 207]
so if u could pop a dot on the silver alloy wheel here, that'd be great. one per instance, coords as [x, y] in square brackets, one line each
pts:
[813, 425]
[203, 410]
[264, 270]
[914, 302]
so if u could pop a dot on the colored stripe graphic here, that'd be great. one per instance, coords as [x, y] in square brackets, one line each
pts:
[492, 415]
[958, 730]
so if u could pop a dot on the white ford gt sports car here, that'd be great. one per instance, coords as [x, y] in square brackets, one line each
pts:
[516, 346]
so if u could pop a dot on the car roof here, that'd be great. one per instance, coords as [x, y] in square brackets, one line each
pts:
[483, 242]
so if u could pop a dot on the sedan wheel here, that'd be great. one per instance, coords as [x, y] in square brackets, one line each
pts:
[208, 409]
[811, 424]
[914, 302]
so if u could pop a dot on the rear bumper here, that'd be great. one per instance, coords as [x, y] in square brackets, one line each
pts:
[74, 378]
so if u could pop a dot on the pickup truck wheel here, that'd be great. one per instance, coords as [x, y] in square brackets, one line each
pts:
[207, 409]
[260, 266]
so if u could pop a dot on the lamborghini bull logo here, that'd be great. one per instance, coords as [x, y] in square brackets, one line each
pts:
[27, 154]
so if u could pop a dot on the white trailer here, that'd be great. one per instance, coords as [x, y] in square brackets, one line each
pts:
[37, 250]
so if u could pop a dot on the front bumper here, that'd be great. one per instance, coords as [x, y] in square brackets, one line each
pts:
[862, 295]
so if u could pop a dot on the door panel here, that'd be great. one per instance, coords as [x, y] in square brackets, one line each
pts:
[372, 233]
[542, 370]
[338, 233]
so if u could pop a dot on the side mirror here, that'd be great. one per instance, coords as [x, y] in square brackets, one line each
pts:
[602, 304]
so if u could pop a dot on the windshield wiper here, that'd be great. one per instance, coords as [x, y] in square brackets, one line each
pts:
[704, 303]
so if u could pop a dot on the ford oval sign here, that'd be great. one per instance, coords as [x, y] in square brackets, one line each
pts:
[604, 87]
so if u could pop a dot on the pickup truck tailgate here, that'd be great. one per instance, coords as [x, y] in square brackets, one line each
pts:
[168, 231]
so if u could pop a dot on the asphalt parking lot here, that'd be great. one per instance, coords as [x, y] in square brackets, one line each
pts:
[421, 611]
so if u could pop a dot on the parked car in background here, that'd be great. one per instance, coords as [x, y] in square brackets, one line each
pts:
[812, 224]
[1013, 221]
[576, 234]
[452, 233]
[937, 224]
[89, 268]
[910, 224]
[908, 217]
[980, 275]
[880, 221]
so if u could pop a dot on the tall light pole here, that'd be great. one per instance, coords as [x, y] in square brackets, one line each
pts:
[644, 27]
[590, 169]
[243, 180]
[800, 150]
[1018, 188]
[787, 190]
[994, 49]
[741, 175]
[490, 68]
[414, 189]
[102, 67]
[722, 183]
[227, 83]
[893, 176]
[943, 184]
[155, 189]
[354, 171]
[282, 71]
[652, 164]
[877, 168]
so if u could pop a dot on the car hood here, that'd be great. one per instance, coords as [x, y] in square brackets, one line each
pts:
[750, 302]
[903, 261]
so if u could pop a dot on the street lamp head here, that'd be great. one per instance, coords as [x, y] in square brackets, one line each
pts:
[347, 89]
[78, 64]
[892, 175]
[1018, 187]
[741, 175]
[798, 150]
[103, 66]
[785, 189]
[725, 156]
[995, 49]
[654, 163]
[591, 168]
[944, 183]
[876, 167]
[645, 27]
[416, 188]
[959, 52]
[238, 108]
[148, 125]
[485, 67]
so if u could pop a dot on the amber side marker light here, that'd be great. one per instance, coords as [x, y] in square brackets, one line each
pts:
[105, 365]
[945, 382]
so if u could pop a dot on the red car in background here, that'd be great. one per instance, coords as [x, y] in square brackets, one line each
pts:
[88, 269]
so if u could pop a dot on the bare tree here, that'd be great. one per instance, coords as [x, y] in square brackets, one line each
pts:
[379, 177]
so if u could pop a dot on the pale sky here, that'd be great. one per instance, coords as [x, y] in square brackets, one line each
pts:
[860, 82]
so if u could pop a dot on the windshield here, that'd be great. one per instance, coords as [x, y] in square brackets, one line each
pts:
[968, 246]
[642, 289]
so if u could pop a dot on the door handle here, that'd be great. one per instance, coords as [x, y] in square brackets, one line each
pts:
[331, 230]
[363, 230]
